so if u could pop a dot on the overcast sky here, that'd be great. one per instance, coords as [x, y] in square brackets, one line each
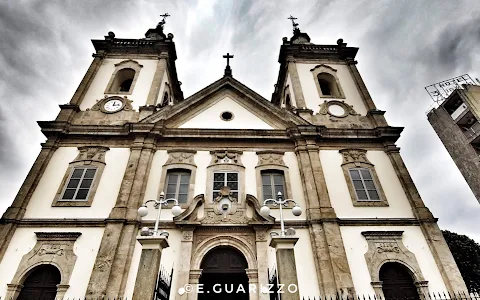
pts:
[45, 50]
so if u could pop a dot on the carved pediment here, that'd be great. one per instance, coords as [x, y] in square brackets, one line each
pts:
[270, 157]
[355, 156]
[91, 153]
[226, 157]
[181, 157]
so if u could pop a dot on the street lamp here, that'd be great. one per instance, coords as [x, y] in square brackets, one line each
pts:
[143, 210]
[265, 210]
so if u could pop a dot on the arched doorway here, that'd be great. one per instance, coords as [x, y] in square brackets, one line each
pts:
[224, 270]
[397, 283]
[41, 284]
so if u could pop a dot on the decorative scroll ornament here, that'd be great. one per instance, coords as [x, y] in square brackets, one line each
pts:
[270, 158]
[326, 108]
[181, 157]
[99, 106]
[355, 156]
[91, 153]
[388, 247]
[226, 157]
[224, 203]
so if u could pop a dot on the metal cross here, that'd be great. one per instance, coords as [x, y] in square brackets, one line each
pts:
[165, 15]
[228, 56]
[293, 21]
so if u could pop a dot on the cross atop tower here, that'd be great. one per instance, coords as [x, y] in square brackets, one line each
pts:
[165, 15]
[228, 70]
[295, 25]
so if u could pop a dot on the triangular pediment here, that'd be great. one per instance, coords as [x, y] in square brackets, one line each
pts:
[204, 110]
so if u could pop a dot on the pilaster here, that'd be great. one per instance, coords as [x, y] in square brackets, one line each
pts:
[262, 260]
[330, 256]
[186, 254]
[88, 78]
[443, 257]
[149, 266]
[17, 210]
[296, 85]
[157, 79]
[113, 259]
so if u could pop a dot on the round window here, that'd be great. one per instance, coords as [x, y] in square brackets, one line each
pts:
[226, 116]
[336, 110]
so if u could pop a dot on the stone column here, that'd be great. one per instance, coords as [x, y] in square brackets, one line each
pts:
[17, 210]
[108, 278]
[286, 267]
[157, 79]
[262, 260]
[186, 254]
[149, 266]
[88, 78]
[193, 281]
[296, 85]
[252, 275]
[438, 246]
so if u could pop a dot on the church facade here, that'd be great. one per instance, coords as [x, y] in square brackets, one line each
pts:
[128, 135]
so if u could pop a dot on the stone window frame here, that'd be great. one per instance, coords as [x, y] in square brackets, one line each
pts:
[354, 159]
[218, 164]
[387, 246]
[54, 248]
[88, 156]
[179, 159]
[319, 69]
[126, 64]
[272, 160]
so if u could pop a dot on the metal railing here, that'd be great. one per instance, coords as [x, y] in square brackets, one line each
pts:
[473, 130]
[472, 295]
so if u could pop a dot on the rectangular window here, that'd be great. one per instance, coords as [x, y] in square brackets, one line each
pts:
[178, 184]
[79, 184]
[364, 186]
[221, 179]
[272, 183]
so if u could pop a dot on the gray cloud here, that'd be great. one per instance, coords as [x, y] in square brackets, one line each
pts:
[404, 46]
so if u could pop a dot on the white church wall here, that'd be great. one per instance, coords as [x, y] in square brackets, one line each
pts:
[171, 257]
[86, 248]
[210, 117]
[340, 196]
[304, 259]
[356, 246]
[40, 205]
[310, 92]
[100, 82]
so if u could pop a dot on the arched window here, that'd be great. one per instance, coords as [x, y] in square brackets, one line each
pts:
[397, 283]
[123, 80]
[165, 99]
[288, 102]
[178, 184]
[273, 181]
[41, 284]
[124, 77]
[328, 85]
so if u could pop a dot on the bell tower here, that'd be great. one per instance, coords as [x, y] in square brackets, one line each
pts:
[322, 83]
[128, 80]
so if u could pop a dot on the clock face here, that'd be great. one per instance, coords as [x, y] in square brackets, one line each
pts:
[113, 105]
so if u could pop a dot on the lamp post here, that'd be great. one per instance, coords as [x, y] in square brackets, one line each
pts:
[265, 210]
[143, 210]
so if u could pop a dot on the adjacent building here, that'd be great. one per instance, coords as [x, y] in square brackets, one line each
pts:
[457, 123]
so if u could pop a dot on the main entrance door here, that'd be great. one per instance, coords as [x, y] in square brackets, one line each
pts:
[41, 284]
[223, 276]
[397, 282]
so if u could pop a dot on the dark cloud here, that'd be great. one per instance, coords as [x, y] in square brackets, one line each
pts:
[404, 46]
